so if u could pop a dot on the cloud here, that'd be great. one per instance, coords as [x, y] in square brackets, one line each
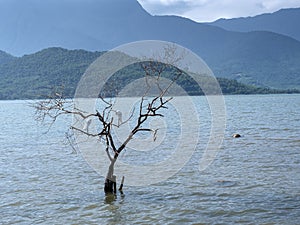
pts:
[164, 7]
[210, 10]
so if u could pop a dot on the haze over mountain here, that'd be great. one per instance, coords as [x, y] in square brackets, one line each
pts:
[284, 21]
[28, 26]
[261, 57]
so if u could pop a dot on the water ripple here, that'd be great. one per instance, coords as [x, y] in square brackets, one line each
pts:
[253, 180]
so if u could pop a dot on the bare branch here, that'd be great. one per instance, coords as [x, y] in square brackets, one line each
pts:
[84, 132]
[56, 106]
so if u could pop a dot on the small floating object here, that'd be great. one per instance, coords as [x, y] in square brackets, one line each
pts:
[236, 135]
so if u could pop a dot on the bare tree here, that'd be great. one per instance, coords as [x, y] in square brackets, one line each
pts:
[150, 105]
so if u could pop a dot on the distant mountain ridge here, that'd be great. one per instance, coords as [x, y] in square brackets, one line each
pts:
[261, 58]
[28, 26]
[284, 21]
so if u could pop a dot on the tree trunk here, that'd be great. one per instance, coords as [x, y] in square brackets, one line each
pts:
[110, 185]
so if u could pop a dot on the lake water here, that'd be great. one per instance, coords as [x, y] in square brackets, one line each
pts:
[253, 180]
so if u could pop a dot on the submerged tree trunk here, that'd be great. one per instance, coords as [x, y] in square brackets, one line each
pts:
[110, 185]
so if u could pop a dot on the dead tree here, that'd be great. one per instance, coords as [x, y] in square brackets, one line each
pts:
[56, 106]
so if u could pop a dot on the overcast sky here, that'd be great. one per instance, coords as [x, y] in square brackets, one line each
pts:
[210, 10]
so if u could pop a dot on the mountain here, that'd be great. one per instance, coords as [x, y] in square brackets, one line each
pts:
[5, 57]
[34, 76]
[284, 21]
[261, 58]
[28, 26]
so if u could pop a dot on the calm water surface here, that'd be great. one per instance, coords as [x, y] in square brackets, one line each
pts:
[253, 180]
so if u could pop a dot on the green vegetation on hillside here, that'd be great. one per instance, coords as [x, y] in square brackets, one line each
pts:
[228, 86]
[33, 76]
